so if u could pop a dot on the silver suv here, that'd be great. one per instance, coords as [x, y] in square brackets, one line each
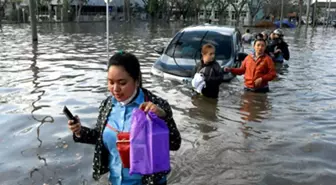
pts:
[183, 52]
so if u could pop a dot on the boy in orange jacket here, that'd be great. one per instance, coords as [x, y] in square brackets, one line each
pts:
[258, 69]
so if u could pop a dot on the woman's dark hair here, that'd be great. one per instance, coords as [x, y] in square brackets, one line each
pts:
[129, 62]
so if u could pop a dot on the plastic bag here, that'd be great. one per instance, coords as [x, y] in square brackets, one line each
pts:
[149, 139]
[198, 82]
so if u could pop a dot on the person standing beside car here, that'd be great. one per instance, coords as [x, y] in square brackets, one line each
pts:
[258, 69]
[208, 74]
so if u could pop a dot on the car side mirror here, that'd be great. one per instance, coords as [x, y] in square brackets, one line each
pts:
[240, 57]
[158, 50]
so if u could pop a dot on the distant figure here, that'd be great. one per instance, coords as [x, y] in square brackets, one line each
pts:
[247, 37]
[278, 48]
[209, 21]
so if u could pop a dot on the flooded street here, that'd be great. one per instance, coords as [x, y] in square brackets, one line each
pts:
[286, 137]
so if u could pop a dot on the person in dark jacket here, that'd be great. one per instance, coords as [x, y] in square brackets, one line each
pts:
[210, 70]
[278, 48]
[127, 94]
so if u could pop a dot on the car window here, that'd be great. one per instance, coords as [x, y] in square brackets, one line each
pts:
[223, 44]
[170, 48]
[189, 45]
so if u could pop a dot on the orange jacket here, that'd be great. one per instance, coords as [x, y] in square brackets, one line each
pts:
[263, 67]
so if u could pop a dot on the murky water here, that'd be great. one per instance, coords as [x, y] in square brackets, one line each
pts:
[284, 137]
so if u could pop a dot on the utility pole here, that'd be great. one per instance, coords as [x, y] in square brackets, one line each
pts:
[282, 16]
[32, 13]
[127, 12]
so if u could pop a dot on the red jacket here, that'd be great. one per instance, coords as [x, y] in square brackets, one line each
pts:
[253, 69]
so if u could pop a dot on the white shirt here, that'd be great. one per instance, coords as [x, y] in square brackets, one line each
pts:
[247, 37]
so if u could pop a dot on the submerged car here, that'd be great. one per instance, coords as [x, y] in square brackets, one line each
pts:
[179, 58]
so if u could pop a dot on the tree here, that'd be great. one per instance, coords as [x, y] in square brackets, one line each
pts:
[238, 7]
[167, 9]
[220, 6]
[197, 6]
[183, 7]
[152, 7]
[3, 4]
[272, 7]
[254, 7]
[145, 2]
[79, 6]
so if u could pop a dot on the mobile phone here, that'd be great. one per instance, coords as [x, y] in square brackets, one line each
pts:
[69, 115]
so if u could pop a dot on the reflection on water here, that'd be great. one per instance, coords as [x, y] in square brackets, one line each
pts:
[283, 137]
[205, 115]
[254, 106]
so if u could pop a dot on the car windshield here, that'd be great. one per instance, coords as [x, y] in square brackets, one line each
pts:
[188, 45]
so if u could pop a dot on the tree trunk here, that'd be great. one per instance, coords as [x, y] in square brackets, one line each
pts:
[300, 12]
[308, 13]
[76, 10]
[127, 13]
[314, 14]
[196, 15]
[37, 11]
[49, 12]
[18, 12]
[237, 18]
[251, 18]
[79, 12]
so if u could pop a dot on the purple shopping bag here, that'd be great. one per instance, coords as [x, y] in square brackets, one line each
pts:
[149, 137]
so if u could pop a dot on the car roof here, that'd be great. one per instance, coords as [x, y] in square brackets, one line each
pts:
[224, 30]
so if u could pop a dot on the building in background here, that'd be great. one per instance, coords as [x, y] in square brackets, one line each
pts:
[215, 13]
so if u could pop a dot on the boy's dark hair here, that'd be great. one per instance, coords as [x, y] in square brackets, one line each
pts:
[259, 39]
[129, 62]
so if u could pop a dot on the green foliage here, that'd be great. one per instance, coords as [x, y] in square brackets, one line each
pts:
[153, 6]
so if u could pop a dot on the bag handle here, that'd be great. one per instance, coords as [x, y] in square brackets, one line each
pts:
[113, 129]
